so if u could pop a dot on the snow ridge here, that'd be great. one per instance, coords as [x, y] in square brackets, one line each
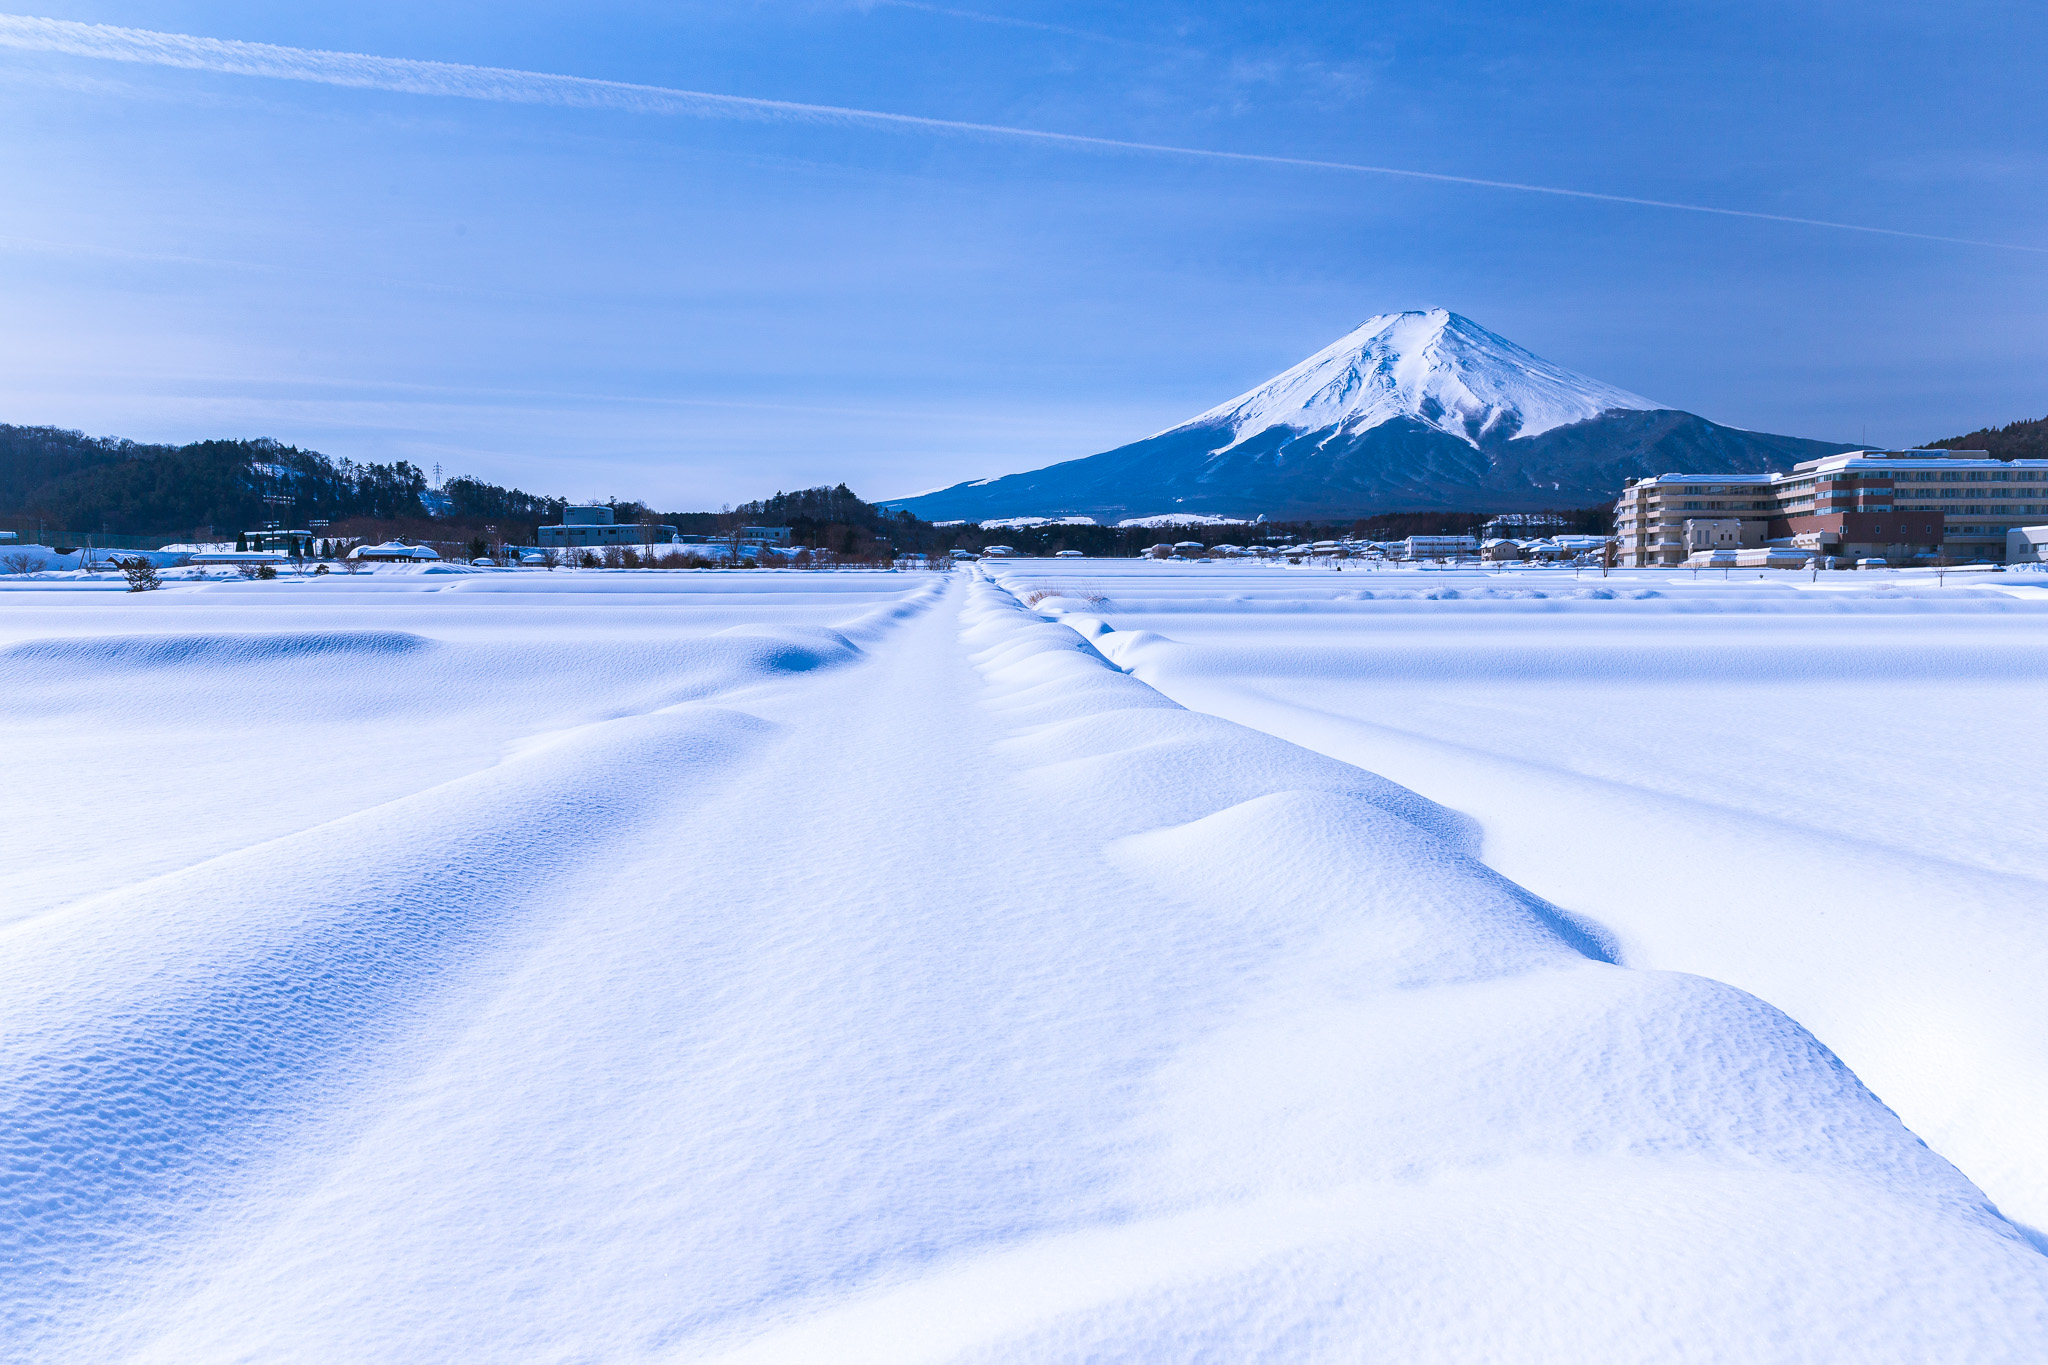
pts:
[1437, 367]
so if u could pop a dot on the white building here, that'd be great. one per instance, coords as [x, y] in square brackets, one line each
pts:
[1712, 535]
[2026, 545]
[1440, 547]
[1898, 505]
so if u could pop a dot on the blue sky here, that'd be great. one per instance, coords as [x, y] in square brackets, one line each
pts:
[647, 302]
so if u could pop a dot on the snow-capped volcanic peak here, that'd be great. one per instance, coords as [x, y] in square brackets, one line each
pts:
[1437, 367]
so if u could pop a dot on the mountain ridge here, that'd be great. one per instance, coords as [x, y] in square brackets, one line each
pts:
[1411, 411]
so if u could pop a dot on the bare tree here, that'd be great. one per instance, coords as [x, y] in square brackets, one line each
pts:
[21, 562]
[732, 533]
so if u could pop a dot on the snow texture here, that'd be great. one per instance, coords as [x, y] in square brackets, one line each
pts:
[1029, 523]
[791, 967]
[1438, 367]
[1819, 788]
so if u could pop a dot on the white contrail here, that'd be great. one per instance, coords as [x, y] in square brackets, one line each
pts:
[535, 87]
[976, 16]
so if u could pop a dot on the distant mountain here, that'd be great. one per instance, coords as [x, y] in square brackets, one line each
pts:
[1410, 412]
[2013, 441]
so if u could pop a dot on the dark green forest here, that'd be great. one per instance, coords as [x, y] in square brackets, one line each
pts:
[68, 480]
[2013, 441]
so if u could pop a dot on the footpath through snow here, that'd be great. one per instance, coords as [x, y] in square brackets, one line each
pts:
[919, 989]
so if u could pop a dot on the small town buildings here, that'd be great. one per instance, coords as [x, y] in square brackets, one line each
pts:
[593, 526]
[1896, 505]
[1575, 544]
[1440, 547]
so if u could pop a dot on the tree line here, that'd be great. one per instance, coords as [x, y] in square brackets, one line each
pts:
[2014, 441]
[66, 480]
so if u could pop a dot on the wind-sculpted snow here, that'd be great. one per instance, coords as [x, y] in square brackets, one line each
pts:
[1822, 789]
[152, 1039]
[886, 977]
[33, 660]
[1411, 1050]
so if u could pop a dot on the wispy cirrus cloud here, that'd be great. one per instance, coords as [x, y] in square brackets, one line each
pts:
[506, 85]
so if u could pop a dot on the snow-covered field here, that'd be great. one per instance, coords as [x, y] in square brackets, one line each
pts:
[1199, 963]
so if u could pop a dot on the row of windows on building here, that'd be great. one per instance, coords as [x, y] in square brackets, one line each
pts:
[1905, 528]
[2015, 509]
[1802, 487]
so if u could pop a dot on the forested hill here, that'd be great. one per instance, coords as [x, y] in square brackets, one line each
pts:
[2014, 441]
[817, 507]
[67, 479]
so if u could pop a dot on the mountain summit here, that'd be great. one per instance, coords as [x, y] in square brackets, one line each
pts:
[1443, 370]
[1410, 411]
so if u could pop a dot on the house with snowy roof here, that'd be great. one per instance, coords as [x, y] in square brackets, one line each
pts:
[393, 552]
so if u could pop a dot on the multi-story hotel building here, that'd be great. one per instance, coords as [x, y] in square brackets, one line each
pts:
[1897, 505]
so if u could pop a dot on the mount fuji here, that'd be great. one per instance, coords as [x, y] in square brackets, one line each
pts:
[1410, 412]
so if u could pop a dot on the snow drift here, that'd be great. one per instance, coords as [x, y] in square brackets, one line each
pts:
[941, 993]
